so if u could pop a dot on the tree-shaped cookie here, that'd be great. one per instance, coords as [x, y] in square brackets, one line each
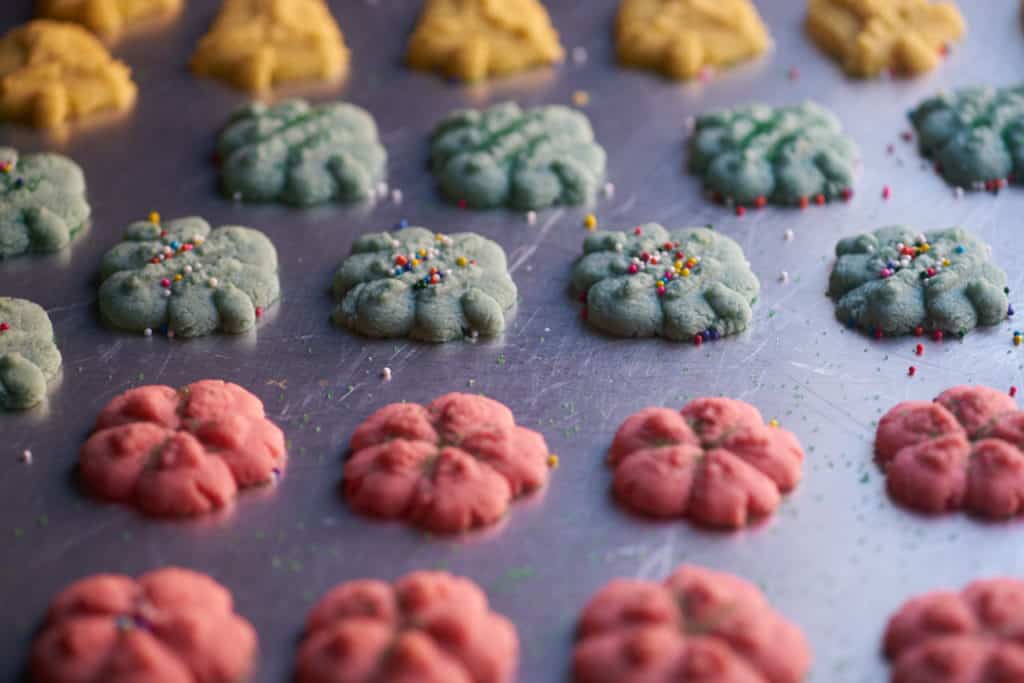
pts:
[171, 625]
[681, 37]
[697, 625]
[792, 155]
[109, 18]
[301, 154]
[29, 358]
[191, 280]
[450, 466]
[505, 156]
[690, 284]
[896, 281]
[424, 285]
[425, 627]
[42, 202]
[53, 72]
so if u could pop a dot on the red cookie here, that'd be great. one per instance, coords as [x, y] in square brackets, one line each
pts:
[698, 625]
[715, 461]
[429, 627]
[178, 453]
[450, 466]
[169, 626]
[961, 451]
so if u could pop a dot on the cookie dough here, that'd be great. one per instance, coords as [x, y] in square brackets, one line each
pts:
[790, 155]
[29, 358]
[871, 36]
[301, 154]
[191, 280]
[453, 465]
[475, 39]
[259, 44]
[697, 625]
[109, 17]
[180, 453]
[53, 72]
[896, 281]
[690, 284]
[171, 625]
[42, 202]
[504, 156]
[681, 37]
[425, 285]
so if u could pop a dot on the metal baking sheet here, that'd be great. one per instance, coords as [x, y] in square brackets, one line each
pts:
[837, 558]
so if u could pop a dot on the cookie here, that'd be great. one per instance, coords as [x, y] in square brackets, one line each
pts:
[109, 18]
[424, 285]
[680, 38]
[697, 625]
[171, 625]
[181, 453]
[690, 284]
[790, 156]
[504, 156]
[190, 280]
[475, 39]
[896, 281]
[53, 72]
[42, 202]
[869, 37]
[257, 45]
[301, 154]
[29, 358]
[426, 626]
[453, 465]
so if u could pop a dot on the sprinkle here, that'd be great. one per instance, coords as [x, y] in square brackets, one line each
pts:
[396, 196]
[919, 349]
[1017, 338]
[590, 222]
[553, 461]
[784, 277]
[911, 371]
[886, 192]
[1009, 311]
[25, 457]
[415, 262]
[579, 55]
[788, 235]
[633, 268]
[741, 210]
[958, 192]
[804, 202]
[1013, 391]
[937, 335]
[531, 217]
[918, 331]
[179, 277]
[773, 423]
[581, 98]
[907, 136]
[846, 194]
[154, 218]
[385, 374]
[402, 224]
[885, 272]
[5, 167]
[609, 190]
[638, 230]
[382, 189]
[165, 283]
[698, 339]
[212, 282]
[198, 241]
[760, 202]
[167, 292]
[259, 311]
[706, 73]
[462, 203]
[685, 272]
[461, 262]
[878, 333]
[945, 262]
[820, 200]
[148, 332]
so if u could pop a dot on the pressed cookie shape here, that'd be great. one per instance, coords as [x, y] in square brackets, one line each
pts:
[453, 465]
[171, 625]
[690, 284]
[109, 18]
[697, 625]
[425, 627]
[29, 358]
[476, 39]
[681, 37]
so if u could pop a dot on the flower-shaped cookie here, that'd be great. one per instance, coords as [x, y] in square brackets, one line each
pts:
[791, 156]
[699, 625]
[691, 284]
[181, 453]
[504, 156]
[426, 627]
[894, 281]
[171, 625]
[451, 466]
[28, 353]
[300, 154]
[715, 462]
[109, 17]
[182, 276]
[424, 285]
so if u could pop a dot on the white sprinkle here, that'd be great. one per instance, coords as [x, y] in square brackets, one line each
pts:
[396, 196]
[188, 270]
[618, 246]
[473, 334]
[958, 192]
[579, 55]
[531, 217]
[386, 374]
[783, 277]
[788, 235]
[25, 457]
[547, 329]
[382, 189]
[148, 332]
[167, 292]
[237, 196]
[212, 282]
[609, 190]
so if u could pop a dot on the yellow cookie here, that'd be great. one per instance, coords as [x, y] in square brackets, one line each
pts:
[870, 36]
[52, 72]
[474, 39]
[257, 44]
[680, 37]
[108, 17]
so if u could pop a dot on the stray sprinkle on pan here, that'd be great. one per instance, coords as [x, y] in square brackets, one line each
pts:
[553, 461]
[385, 374]
[25, 457]
[788, 235]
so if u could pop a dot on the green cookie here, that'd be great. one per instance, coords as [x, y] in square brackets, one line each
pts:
[187, 278]
[687, 285]
[42, 202]
[28, 353]
[424, 285]
[504, 156]
[893, 281]
[300, 154]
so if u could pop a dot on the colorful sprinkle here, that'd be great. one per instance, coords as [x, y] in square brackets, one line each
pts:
[1013, 391]
[919, 349]
[804, 202]
[4, 327]
[553, 461]
[937, 335]
[911, 371]
[590, 222]
[886, 192]
[165, 283]
[461, 261]
[581, 98]
[385, 374]
[154, 217]
[741, 210]
[773, 423]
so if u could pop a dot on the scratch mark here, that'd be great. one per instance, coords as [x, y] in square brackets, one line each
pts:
[532, 248]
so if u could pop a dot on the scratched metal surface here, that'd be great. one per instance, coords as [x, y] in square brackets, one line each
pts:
[837, 558]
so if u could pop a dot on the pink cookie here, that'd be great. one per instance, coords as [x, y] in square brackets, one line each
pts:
[451, 466]
[169, 626]
[429, 627]
[179, 453]
[715, 461]
[960, 451]
[699, 625]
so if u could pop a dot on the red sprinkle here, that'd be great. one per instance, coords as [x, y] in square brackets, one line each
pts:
[259, 311]
[1013, 391]
[907, 135]
[804, 202]
[878, 333]
[4, 327]
[937, 335]
[741, 210]
[187, 247]
[165, 283]
[944, 50]
[911, 371]
[633, 269]
[760, 202]
[919, 349]
[645, 256]
[638, 231]
[918, 331]
[401, 260]
[698, 340]
[463, 203]
[820, 200]
[846, 194]
[886, 192]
